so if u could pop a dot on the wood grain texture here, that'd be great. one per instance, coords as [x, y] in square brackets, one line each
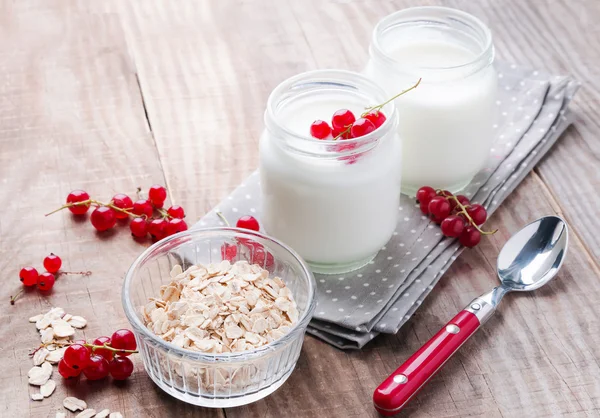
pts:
[110, 95]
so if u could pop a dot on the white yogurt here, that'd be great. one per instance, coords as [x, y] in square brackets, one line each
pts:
[446, 124]
[336, 210]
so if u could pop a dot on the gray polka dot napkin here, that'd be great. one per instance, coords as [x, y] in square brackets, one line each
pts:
[355, 307]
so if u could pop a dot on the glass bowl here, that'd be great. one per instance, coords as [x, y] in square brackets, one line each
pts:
[206, 379]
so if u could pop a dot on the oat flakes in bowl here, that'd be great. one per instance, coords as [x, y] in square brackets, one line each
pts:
[215, 333]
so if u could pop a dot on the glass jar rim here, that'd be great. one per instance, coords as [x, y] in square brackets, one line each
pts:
[299, 326]
[482, 60]
[329, 77]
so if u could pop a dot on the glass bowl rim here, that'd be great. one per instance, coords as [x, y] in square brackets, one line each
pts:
[130, 310]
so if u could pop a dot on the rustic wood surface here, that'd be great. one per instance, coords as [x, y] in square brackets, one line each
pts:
[109, 95]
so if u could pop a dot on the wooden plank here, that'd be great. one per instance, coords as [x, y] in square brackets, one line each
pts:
[71, 116]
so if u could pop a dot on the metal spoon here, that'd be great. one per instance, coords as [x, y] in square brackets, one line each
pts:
[528, 260]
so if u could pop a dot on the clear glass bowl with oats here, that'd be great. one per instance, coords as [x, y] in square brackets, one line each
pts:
[219, 314]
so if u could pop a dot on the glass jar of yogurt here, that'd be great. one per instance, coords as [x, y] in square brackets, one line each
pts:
[333, 201]
[446, 124]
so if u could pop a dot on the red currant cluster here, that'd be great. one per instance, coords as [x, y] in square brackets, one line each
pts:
[142, 211]
[30, 277]
[344, 125]
[457, 217]
[106, 355]
[256, 251]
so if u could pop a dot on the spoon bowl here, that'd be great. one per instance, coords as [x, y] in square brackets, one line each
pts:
[532, 257]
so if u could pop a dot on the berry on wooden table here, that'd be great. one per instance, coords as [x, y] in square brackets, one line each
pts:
[67, 372]
[174, 226]
[157, 195]
[120, 368]
[97, 368]
[143, 207]
[138, 227]
[320, 129]
[77, 196]
[106, 353]
[158, 228]
[248, 222]
[28, 276]
[77, 356]
[45, 281]
[103, 218]
[123, 339]
[176, 211]
[52, 263]
[122, 201]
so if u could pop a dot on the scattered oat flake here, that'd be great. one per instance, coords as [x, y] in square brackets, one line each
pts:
[62, 328]
[48, 388]
[40, 356]
[37, 396]
[73, 404]
[56, 355]
[36, 318]
[77, 322]
[38, 375]
[47, 335]
[87, 413]
[103, 414]
[115, 415]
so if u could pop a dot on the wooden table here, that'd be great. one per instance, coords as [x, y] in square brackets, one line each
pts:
[111, 95]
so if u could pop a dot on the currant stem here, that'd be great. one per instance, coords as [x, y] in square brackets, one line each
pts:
[90, 202]
[463, 211]
[345, 131]
[380, 106]
[13, 299]
[68, 205]
[83, 273]
[223, 218]
[92, 346]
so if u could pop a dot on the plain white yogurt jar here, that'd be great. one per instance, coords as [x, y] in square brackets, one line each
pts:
[446, 124]
[334, 202]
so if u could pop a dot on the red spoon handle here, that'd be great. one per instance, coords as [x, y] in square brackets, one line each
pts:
[405, 382]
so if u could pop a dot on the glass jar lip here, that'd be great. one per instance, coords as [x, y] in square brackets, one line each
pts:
[130, 310]
[484, 58]
[328, 76]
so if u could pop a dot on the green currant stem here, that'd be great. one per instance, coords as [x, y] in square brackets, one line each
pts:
[164, 214]
[90, 202]
[463, 211]
[223, 218]
[82, 273]
[108, 347]
[13, 299]
[345, 131]
[380, 106]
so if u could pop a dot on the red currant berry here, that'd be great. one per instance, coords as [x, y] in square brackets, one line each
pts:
[97, 368]
[453, 226]
[122, 201]
[104, 352]
[377, 117]
[228, 252]
[175, 225]
[463, 201]
[103, 218]
[477, 213]
[78, 196]
[424, 208]
[176, 211]
[425, 194]
[320, 129]
[345, 135]
[67, 372]
[45, 281]
[139, 227]
[157, 195]
[77, 356]
[158, 228]
[259, 255]
[123, 339]
[143, 207]
[248, 222]
[28, 276]
[444, 193]
[362, 127]
[470, 237]
[120, 368]
[342, 119]
[439, 208]
[52, 263]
